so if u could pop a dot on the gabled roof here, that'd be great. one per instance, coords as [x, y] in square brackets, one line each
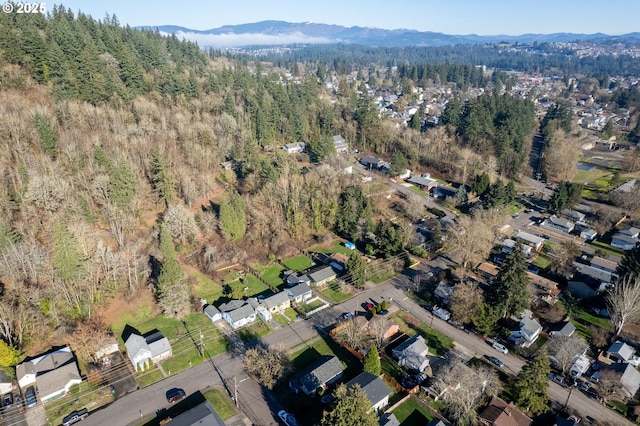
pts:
[276, 300]
[136, 343]
[211, 310]
[201, 414]
[528, 323]
[529, 238]
[499, 413]
[416, 344]
[563, 329]
[630, 376]
[47, 362]
[232, 305]
[603, 263]
[389, 419]
[158, 344]
[422, 181]
[375, 389]
[320, 372]
[572, 215]
[55, 380]
[621, 349]
[563, 223]
[242, 312]
[619, 236]
[299, 290]
[322, 274]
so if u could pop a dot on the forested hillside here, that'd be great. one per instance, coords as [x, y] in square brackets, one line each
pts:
[111, 150]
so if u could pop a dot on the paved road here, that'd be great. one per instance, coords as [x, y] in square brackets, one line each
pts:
[260, 406]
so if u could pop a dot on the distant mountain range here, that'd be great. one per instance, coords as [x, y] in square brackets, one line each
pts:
[283, 33]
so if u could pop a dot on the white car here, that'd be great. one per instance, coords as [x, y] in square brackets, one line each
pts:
[500, 348]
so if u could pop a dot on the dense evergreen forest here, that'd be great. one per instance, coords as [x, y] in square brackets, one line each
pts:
[541, 58]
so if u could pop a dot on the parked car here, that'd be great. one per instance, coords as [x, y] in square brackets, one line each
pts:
[442, 314]
[7, 400]
[556, 378]
[494, 360]
[30, 397]
[346, 315]
[328, 398]
[288, 418]
[75, 417]
[500, 347]
[175, 394]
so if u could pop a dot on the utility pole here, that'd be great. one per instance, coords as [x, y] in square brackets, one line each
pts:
[235, 392]
[201, 344]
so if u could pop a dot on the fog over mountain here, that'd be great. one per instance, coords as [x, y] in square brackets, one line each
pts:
[281, 33]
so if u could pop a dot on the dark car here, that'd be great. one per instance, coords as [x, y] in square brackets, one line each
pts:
[75, 417]
[494, 360]
[175, 394]
[7, 400]
[30, 397]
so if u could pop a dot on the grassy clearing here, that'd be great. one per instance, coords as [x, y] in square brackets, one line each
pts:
[585, 176]
[438, 343]
[592, 319]
[417, 190]
[391, 368]
[582, 330]
[273, 275]
[185, 359]
[149, 378]
[412, 413]
[608, 248]
[173, 328]
[336, 247]
[307, 355]
[249, 286]
[298, 263]
[254, 331]
[291, 314]
[334, 293]
[310, 306]
[382, 274]
[280, 319]
[221, 402]
[205, 287]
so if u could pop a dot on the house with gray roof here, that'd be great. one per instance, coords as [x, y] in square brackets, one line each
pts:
[620, 352]
[143, 350]
[595, 273]
[292, 278]
[572, 215]
[212, 313]
[238, 313]
[604, 264]
[423, 181]
[276, 303]
[628, 375]
[528, 331]
[623, 241]
[376, 390]
[323, 276]
[202, 413]
[340, 144]
[52, 373]
[412, 354]
[564, 329]
[559, 224]
[324, 372]
[529, 239]
[299, 293]
[389, 419]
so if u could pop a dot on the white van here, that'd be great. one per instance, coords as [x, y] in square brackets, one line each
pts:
[500, 347]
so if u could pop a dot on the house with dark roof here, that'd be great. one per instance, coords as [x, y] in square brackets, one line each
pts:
[620, 352]
[52, 373]
[199, 414]
[559, 224]
[582, 290]
[412, 354]
[389, 419]
[372, 163]
[292, 279]
[376, 390]
[501, 413]
[423, 182]
[572, 215]
[299, 293]
[324, 372]
[145, 349]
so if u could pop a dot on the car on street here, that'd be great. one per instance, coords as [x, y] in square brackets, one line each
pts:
[443, 314]
[288, 418]
[500, 347]
[590, 419]
[494, 360]
[30, 397]
[75, 417]
[346, 315]
[175, 394]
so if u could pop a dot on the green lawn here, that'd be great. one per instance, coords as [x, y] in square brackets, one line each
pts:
[542, 262]
[252, 285]
[149, 378]
[381, 275]
[310, 306]
[437, 342]
[412, 413]
[585, 176]
[307, 355]
[417, 190]
[281, 319]
[291, 314]
[592, 319]
[254, 331]
[391, 368]
[273, 275]
[582, 329]
[298, 263]
[186, 358]
[221, 402]
[334, 294]
[173, 328]
[205, 287]
[608, 248]
[88, 396]
[336, 247]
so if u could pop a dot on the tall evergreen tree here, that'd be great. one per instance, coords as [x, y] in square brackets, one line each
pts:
[356, 269]
[372, 361]
[414, 123]
[510, 290]
[530, 386]
[630, 263]
[232, 217]
[350, 409]
[160, 178]
[173, 292]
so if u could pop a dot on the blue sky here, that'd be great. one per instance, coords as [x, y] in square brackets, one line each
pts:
[484, 17]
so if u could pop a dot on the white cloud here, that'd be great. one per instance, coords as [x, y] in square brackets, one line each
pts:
[257, 39]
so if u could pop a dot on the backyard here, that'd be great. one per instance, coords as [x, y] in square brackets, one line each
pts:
[437, 342]
[298, 263]
[335, 292]
[412, 413]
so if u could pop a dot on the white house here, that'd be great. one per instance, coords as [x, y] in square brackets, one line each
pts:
[292, 148]
[212, 313]
[529, 239]
[6, 384]
[53, 373]
[412, 354]
[238, 313]
[276, 303]
[299, 293]
[340, 144]
[142, 350]
[376, 390]
[529, 330]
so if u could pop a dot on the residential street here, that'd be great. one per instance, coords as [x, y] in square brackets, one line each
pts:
[261, 408]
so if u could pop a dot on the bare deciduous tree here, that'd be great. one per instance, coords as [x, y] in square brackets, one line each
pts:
[472, 238]
[564, 349]
[465, 300]
[89, 337]
[181, 223]
[353, 332]
[623, 300]
[463, 388]
[378, 327]
[267, 365]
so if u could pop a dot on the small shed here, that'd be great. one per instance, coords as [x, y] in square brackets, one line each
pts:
[212, 313]
[350, 245]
